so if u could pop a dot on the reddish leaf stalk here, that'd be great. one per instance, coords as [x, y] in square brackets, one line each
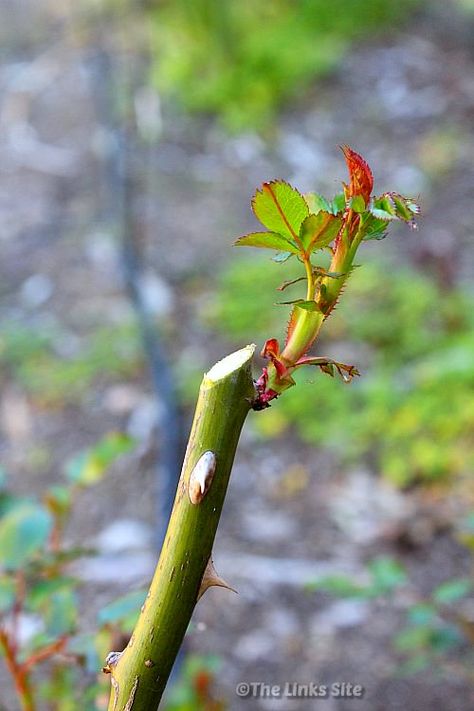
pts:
[18, 673]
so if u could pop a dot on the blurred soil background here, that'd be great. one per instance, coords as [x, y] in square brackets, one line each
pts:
[73, 365]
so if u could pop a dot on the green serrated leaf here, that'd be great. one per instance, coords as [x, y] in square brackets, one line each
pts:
[374, 227]
[338, 204]
[267, 240]
[405, 208]
[383, 208]
[317, 202]
[385, 202]
[452, 591]
[281, 208]
[357, 203]
[23, 531]
[382, 214]
[317, 231]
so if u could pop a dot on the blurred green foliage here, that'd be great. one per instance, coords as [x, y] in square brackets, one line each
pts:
[385, 574]
[244, 59]
[35, 584]
[411, 339]
[434, 625]
[36, 360]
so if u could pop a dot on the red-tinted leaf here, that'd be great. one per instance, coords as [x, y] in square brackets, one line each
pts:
[328, 365]
[271, 348]
[361, 179]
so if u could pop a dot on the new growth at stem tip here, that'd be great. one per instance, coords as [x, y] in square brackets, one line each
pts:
[310, 227]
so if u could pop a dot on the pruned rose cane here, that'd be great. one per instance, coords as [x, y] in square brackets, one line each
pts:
[304, 226]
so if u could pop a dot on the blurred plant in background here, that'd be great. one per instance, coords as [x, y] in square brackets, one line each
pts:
[435, 625]
[50, 656]
[245, 59]
[37, 362]
[39, 602]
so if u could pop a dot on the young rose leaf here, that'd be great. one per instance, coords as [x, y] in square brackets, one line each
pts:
[361, 178]
[383, 208]
[374, 227]
[317, 202]
[281, 208]
[317, 231]
[267, 240]
[357, 203]
[329, 366]
[405, 208]
[338, 204]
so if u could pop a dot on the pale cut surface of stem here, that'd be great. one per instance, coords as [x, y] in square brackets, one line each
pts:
[139, 675]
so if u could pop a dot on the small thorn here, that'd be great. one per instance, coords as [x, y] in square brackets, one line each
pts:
[212, 579]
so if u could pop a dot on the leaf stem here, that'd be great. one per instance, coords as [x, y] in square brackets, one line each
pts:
[309, 276]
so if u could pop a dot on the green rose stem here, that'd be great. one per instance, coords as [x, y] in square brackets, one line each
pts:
[307, 324]
[296, 225]
[139, 674]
